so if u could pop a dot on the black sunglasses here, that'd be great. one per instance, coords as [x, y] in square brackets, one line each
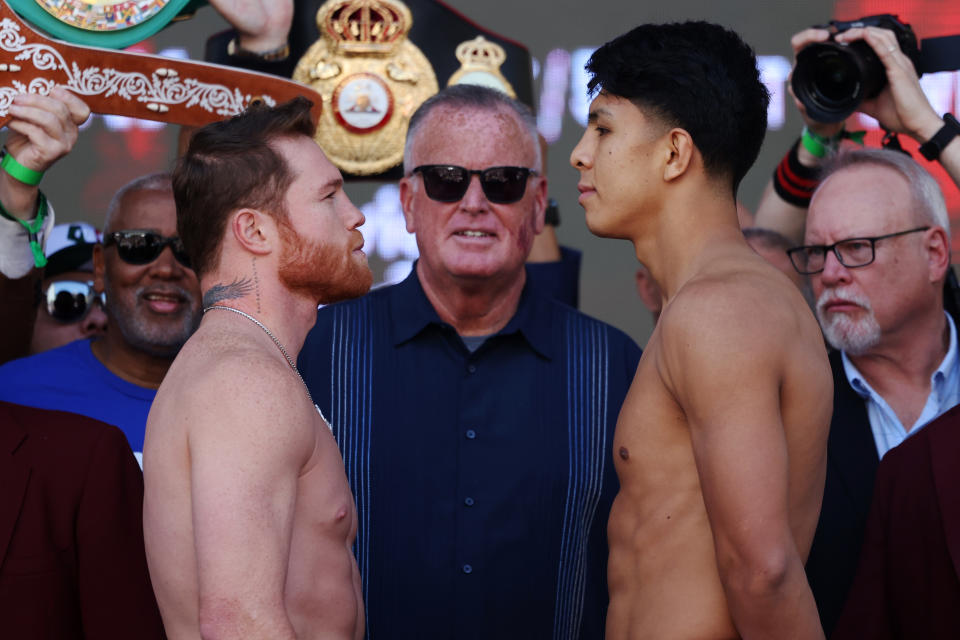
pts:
[70, 300]
[448, 183]
[143, 247]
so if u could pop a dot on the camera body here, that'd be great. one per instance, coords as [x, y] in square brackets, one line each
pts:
[832, 79]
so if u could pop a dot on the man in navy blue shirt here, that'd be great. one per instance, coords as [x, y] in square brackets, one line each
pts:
[475, 415]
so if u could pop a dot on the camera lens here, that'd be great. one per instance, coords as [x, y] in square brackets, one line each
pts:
[831, 80]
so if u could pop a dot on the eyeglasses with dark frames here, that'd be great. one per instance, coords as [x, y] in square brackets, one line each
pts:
[139, 247]
[851, 253]
[449, 183]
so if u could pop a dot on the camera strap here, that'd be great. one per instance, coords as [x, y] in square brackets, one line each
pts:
[939, 54]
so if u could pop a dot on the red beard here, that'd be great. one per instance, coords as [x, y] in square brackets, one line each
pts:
[326, 274]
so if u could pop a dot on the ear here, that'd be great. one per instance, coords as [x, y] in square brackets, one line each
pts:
[539, 202]
[680, 150]
[99, 268]
[407, 189]
[937, 244]
[254, 230]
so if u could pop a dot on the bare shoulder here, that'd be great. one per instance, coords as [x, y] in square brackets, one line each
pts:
[742, 319]
[222, 386]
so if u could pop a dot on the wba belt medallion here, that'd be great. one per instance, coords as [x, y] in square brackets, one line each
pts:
[371, 78]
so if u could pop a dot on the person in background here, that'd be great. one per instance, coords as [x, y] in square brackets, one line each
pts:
[69, 307]
[152, 306]
[72, 563]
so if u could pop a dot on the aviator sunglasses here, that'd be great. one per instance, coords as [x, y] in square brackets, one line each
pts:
[70, 300]
[449, 183]
[143, 247]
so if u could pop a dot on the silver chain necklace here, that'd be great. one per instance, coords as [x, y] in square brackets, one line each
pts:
[286, 355]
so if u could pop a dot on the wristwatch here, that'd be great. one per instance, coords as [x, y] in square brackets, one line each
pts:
[931, 148]
[273, 55]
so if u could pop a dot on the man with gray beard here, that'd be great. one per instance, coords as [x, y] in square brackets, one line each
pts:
[152, 306]
[877, 251]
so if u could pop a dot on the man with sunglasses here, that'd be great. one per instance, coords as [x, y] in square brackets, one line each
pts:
[69, 308]
[474, 414]
[877, 252]
[152, 305]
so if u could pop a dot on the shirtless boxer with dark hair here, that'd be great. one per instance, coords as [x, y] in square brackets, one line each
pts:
[721, 443]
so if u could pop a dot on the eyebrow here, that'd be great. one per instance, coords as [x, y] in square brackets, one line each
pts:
[596, 113]
[331, 185]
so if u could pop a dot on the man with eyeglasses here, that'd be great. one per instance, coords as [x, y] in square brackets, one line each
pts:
[877, 252]
[152, 305]
[474, 415]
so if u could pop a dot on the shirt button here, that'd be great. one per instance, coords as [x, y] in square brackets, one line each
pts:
[472, 368]
[467, 568]
[468, 501]
[471, 434]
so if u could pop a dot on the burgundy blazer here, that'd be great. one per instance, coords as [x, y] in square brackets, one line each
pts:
[72, 563]
[907, 582]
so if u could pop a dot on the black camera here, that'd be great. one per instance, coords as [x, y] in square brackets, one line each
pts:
[832, 79]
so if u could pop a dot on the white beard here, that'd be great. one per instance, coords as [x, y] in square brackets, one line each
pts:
[841, 330]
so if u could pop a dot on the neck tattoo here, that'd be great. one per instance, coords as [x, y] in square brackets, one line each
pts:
[256, 282]
[293, 365]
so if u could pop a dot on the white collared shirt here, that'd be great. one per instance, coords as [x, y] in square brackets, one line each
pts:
[887, 429]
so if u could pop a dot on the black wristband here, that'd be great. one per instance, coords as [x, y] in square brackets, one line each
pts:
[793, 181]
[931, 148]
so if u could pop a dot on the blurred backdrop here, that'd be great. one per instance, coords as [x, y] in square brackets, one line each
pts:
[560, 35]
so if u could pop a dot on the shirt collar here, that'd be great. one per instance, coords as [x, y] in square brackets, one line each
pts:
[411, 313]
[949, 363]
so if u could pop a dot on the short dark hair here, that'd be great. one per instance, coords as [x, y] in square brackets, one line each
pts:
[472, 96]
[229, 165]
[698, 76]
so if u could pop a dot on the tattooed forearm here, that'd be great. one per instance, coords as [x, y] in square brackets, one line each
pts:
[220, 292]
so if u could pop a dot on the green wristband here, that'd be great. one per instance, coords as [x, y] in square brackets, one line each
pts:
[33, 229]
[24, 174]
[817, 145]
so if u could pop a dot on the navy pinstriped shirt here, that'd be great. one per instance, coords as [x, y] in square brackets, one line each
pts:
[483, 480]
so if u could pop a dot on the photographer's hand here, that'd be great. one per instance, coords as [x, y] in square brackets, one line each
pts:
[902, 106]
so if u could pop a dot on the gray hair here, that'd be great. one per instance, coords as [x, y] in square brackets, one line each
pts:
[928, 204]
[471, 96]
[149, 182]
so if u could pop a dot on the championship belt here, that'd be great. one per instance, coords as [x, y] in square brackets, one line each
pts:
[371, 79]
[113, 24]
[132, 84]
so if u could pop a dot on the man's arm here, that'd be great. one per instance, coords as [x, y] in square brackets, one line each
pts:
[251, 434]
[726, 376]
[42, 130]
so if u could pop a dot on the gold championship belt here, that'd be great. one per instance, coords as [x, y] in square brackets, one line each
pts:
[132, 84]
[371, 79]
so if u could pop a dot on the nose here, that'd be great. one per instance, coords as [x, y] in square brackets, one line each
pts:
[474, 199]
[94, 323]
[166, 266]
[834, 273]
[579, 157]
